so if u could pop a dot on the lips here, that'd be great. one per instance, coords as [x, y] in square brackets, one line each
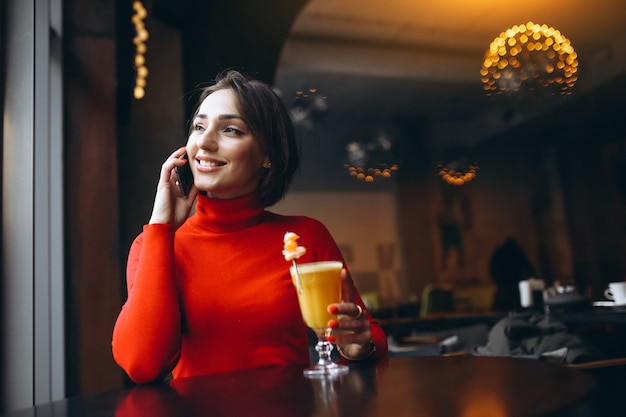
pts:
[210, 164]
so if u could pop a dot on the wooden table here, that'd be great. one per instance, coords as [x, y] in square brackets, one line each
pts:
[412, 386]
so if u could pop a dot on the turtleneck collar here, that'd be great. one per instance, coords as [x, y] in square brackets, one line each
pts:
[222, 216]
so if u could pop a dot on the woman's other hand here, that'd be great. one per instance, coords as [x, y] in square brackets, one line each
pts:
[352, 329]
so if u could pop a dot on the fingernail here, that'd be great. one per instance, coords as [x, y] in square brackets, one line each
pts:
[333, 324]
[333, 309]
[331, 339]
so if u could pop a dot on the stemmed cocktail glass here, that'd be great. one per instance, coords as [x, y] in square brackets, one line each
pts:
[318, 285]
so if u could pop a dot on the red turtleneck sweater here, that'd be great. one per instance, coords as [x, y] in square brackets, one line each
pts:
[216, 295]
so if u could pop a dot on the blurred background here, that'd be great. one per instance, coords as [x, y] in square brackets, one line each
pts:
[432, 132]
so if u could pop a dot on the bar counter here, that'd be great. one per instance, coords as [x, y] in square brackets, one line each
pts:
[437, 386]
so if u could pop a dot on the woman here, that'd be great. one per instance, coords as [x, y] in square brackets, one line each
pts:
[212, 292]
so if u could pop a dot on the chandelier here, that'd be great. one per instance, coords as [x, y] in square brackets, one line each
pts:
[457, 172]
[308, 107]
[530, 57]
[372, 159]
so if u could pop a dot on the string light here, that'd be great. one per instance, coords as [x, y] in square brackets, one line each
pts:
[372, 173]
[530, 57]
[371, 159]
[456, 173]
[141, 36]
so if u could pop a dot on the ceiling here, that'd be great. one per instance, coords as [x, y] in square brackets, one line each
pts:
[412, 39]
[422, 58]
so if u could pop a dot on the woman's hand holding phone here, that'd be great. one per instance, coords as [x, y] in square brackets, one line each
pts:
[170, 205]
[184, 176]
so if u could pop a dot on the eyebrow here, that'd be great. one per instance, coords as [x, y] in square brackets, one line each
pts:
[221, 117]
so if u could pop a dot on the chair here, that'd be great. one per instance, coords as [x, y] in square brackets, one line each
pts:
[474, 298]
[436, 300]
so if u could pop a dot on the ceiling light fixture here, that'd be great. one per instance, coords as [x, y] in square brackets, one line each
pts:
[372, 159]
[457, 172]
[530, 57]
[308, 107]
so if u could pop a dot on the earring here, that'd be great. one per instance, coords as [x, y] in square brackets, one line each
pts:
[268, 165]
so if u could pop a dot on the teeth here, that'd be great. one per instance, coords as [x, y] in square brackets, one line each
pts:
[210, 163]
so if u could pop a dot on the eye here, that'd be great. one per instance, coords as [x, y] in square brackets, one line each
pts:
[198, 127]
[231, 129]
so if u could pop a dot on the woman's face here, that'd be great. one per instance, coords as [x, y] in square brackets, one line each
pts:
[225, 158]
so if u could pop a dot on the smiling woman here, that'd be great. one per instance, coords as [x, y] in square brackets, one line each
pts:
[190, 291]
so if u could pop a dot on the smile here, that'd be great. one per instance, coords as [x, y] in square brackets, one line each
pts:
[204, 163]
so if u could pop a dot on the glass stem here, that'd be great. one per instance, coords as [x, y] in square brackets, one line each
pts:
[323, 348]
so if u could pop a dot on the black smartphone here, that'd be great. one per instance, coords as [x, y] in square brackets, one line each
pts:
[184, 176]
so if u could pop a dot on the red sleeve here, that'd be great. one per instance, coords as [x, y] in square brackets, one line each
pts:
[147, 333]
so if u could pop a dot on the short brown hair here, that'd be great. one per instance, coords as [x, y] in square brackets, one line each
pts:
[269, 121]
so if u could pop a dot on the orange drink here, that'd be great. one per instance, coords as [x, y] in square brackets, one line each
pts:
[320, 286]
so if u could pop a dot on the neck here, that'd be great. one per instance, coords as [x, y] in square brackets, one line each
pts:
[228, 215]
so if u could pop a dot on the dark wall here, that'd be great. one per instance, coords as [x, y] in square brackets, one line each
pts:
[223, 34]
[587, 137]
[92, 236]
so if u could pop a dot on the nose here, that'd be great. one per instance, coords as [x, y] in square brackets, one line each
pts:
[209, 139]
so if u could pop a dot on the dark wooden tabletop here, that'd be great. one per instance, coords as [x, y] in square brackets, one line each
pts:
[434, 386]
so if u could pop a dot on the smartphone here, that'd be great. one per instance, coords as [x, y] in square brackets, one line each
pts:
[184, 176]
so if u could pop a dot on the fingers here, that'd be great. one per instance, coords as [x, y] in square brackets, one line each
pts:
[359, 313]
[351, 310]
[351, 318]
[179, 156]
[347, 287]
[179, 152]
[350, 331]
[352, 328]
[167, 168]
[176, 159]
[169, 205]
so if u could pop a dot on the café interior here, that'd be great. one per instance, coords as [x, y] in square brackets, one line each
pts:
[428, 142]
